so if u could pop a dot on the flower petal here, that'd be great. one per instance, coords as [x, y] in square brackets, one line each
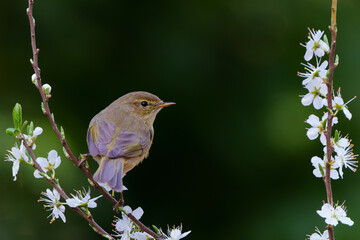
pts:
[138, 212]
[37, 174]
[323, 45]
[334, 174]
[73, 202]
[313, 120]
[347, 113]
[15, 168]
[331, 221]
[309, 53]
[52, 156]
[318, 103]
[307, 99]
[326, 210]
[319, 52]
[346, 220]
[43, 162]
[37, 131]
[312, 133]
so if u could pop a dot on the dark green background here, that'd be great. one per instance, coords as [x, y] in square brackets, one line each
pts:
[231, 160]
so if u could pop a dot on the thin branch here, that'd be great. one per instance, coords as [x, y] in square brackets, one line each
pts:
[62, 193]
[47, 113]
[329, 148]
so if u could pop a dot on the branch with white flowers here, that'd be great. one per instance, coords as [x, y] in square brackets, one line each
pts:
[128, 227]
[318, 80]
[43, 167]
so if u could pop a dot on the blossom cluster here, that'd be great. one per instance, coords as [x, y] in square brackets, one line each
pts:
[316, 78]
[57, 208]
[315, 81]
[126, 229]
[46, 168]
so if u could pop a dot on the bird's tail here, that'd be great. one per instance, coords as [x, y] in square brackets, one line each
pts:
[110, 171]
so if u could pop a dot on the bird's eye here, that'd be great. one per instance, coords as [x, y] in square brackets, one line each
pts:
[144, 103]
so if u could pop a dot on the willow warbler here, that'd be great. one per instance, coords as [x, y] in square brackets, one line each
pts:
[120, 136]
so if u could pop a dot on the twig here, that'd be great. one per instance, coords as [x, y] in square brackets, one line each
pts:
[90, 219]
[48, 114]
[329, 148]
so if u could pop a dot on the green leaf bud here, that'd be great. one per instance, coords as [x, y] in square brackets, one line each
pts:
[62, 133]
[336, 138]
[30, 129]
[10, 131]
[17, 116]
[156, 230]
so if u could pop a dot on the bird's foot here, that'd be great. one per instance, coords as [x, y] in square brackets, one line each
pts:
[82, 159]
[120, 203]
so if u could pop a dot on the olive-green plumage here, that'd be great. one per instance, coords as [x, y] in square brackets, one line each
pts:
[120, 136]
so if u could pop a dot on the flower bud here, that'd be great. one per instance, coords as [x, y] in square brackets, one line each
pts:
[62, 132]
[43, 107]
[34, 79]
[47, 90]
[66, 153]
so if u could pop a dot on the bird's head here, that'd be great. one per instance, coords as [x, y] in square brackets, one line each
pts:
[143, 104]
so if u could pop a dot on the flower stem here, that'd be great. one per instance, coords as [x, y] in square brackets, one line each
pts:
[329, 148]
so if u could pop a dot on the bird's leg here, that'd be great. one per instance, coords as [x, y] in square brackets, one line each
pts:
[82, 159]
[121, 199]
[120, 203]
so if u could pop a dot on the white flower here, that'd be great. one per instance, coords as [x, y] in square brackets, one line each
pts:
[16, 155]
[333, 216]
[315, 45]
[53, 202]
[319, 236]
[30, 140]
[314, 74]
[339, 105]
[316, 91]
[319, 165]
[175, 233]
[317, 126]
[48, 165]
[342, 142]
[82, 199]
[125, 226]
[345, 157]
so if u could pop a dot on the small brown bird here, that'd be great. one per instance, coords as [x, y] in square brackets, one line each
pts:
[120, 136]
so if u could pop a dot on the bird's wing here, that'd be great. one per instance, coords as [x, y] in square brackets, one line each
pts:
[99, 136]
[103, 141]
[128, 144]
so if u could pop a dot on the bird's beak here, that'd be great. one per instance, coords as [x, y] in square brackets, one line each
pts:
[164, 104]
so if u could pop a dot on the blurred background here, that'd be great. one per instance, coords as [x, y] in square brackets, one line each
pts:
[230, 160]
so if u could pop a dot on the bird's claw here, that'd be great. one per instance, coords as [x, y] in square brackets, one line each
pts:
[82, 159]
[120, 203]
